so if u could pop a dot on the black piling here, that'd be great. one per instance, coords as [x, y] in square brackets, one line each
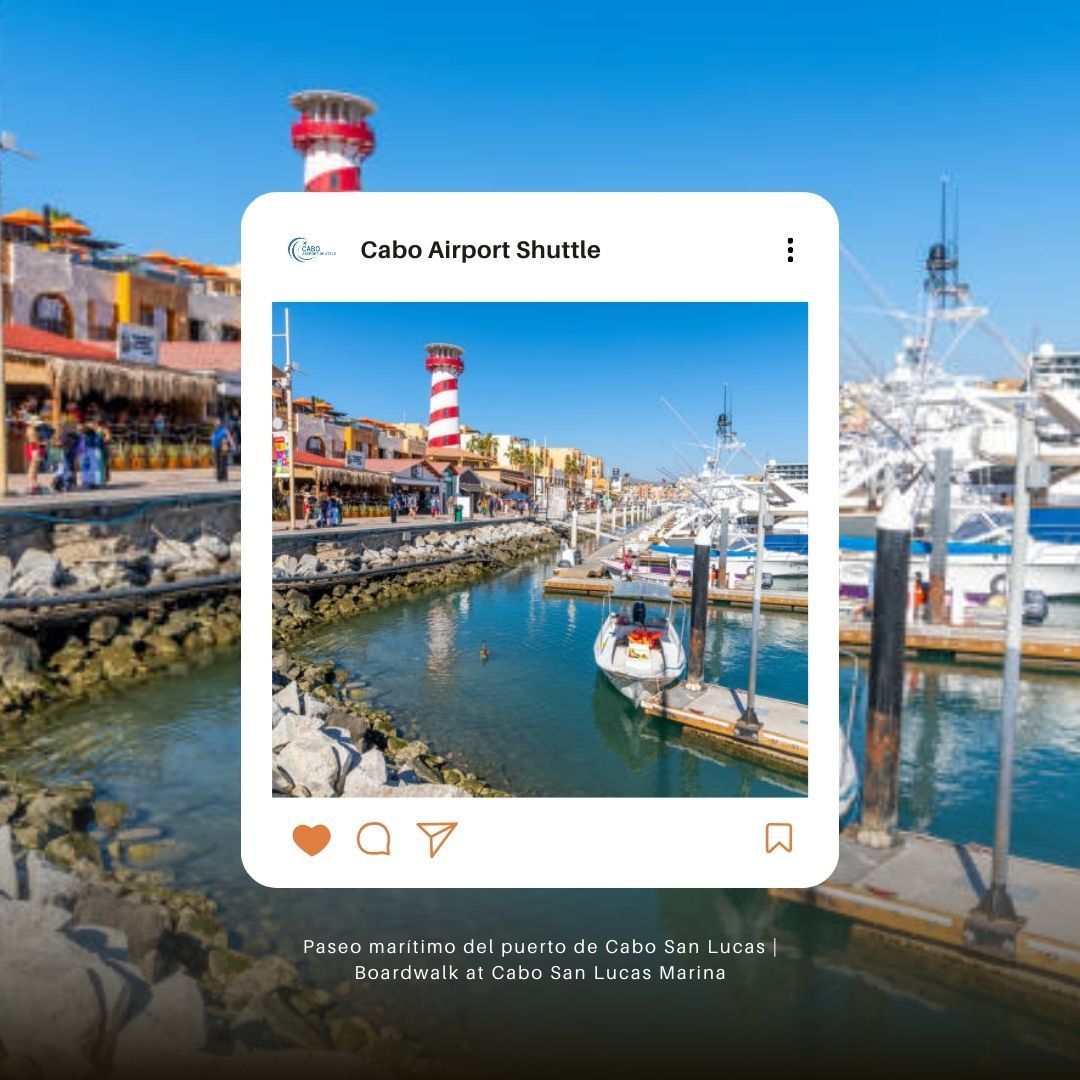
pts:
[881, 767]
[699, 611]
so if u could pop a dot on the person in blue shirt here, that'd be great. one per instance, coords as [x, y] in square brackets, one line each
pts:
[393, 508]
[222, 443]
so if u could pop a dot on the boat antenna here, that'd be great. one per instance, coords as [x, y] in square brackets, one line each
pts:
[943, 259]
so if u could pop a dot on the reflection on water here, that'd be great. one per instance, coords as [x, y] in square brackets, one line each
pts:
[949, 756]
[172, 750]
[538, 718]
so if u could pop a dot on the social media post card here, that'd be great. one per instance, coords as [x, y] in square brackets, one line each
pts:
[531, 600]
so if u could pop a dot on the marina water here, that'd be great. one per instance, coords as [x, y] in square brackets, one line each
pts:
[171, 751]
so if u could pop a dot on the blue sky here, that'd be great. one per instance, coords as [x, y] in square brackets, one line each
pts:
[585, 375]
[159, 123]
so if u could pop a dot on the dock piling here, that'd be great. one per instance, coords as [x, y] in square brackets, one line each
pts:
[573, 528]
[750, 725]
[598, 521]
[994, 924]
[939, 533]
[881, 768]
[725, 523]
[699, 611]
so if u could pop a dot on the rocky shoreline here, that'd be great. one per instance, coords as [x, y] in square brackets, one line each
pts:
[394, 569]
[327, 742]
[86, 646]
[106, 969]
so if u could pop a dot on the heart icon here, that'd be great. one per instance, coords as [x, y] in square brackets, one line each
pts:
[311, 838]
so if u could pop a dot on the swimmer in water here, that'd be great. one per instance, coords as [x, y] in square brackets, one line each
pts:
[485, 653]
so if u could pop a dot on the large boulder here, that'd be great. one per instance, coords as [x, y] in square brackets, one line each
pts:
[288, 698]
[144, 925]
[170, 1028]
[368, 777]
[20, 658]
[6, 573]
[212, 545]
[170, 552]
[291, 726]
[60, 1005]
[285, 566]
[308, 565]
[49, 885]
[37, 573]
[312, 760]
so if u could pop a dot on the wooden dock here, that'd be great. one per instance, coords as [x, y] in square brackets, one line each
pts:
[921, 891]
[1042, 646]
[576, 583]
[781, 744]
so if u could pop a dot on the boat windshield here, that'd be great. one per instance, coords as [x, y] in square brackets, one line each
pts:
[983, 524]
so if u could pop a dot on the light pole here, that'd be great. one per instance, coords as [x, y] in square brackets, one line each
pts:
[287, 384]
[7, 146]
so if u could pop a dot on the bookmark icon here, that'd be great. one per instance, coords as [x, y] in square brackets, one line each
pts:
[437, 832]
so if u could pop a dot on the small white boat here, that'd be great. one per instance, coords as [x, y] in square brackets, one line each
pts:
[639, 647]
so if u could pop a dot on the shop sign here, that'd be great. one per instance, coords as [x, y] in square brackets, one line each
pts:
[136, 344]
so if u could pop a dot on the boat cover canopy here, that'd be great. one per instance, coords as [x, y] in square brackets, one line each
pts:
[641, 590]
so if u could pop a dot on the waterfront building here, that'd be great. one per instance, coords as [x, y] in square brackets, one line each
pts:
[795, 473]
[145, 406]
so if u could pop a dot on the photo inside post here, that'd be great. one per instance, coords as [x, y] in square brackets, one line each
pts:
[486, 546]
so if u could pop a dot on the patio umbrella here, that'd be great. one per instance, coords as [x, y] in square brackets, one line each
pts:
[24, 217]
[68, 227]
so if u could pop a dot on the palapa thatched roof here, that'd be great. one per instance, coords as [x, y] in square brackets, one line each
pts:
[139, 382]
[352, 477]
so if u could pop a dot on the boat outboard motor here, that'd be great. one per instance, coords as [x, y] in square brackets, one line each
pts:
[766, 580]
[638, 612]
[1036, 606]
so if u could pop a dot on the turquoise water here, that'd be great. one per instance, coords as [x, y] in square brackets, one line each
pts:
[171, 749]
[538, 718]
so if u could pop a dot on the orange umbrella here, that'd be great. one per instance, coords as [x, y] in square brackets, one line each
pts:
[161, 257]
[324, 406]
[68, 227]
[302, 401]
[24, 217]
[189, 265]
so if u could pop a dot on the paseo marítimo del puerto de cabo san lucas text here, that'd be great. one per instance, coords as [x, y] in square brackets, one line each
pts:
[464, 253]
[521, 959]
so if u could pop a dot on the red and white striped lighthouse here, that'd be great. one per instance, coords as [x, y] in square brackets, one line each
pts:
[333, 135]
[444, 425]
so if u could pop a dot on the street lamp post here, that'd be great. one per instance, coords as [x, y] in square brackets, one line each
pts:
[7, 146]
[287, 385]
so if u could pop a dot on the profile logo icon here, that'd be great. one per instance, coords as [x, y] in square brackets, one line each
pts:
[301, 250]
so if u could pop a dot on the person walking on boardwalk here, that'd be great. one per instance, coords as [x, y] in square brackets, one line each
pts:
[222, 443]
[309, 508]
[393, 508]
[34, 451]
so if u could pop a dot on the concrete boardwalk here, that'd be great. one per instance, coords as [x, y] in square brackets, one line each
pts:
[1042, 646]
[572, 582]
[925, 888]
[125, 486]
[781, 743]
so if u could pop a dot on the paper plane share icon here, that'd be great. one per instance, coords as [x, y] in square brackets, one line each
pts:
[437, 832]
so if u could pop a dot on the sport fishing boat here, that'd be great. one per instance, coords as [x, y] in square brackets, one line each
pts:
[785, 557]
[639, 647]
[979, 554]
